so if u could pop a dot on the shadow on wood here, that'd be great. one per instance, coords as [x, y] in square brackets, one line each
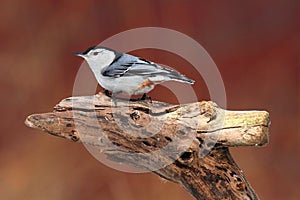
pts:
[187, 144]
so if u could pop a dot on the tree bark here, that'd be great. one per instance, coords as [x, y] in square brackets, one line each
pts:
[192, 139]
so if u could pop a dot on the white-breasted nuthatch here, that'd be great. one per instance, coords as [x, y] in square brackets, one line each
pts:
[123, 73]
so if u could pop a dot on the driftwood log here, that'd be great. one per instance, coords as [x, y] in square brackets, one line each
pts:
[128, 132]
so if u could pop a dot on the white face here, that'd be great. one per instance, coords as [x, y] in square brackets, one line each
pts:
[99, 58]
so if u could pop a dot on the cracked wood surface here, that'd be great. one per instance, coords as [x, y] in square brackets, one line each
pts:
[192, 139]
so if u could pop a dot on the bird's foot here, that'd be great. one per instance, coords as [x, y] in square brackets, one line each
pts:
[107, 93]
[114, 97]
[143, 98]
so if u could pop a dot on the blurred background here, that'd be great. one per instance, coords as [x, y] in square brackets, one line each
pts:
[255, 45]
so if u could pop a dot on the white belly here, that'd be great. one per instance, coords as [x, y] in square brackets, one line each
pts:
[129, 85]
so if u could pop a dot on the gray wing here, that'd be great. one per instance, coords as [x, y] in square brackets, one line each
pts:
[128, 65]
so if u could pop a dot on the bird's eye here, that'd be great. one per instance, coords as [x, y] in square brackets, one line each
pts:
[95, 53]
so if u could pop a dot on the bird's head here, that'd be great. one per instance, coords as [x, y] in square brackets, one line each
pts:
[98, 57]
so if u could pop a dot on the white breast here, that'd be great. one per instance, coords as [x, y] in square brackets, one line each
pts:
[129, 85]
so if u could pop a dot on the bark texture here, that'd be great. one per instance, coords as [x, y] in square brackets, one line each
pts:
[187, 144]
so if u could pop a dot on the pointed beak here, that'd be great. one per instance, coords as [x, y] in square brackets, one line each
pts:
[78, 54]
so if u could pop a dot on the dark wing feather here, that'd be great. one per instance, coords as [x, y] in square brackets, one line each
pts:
[129, 65]
[115, 71]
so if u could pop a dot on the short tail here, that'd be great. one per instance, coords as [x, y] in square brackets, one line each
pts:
[181, 78]
[164, 74]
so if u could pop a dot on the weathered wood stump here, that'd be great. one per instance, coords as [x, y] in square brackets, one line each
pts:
[129, 132]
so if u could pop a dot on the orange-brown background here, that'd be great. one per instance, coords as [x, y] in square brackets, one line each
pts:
[254, 43]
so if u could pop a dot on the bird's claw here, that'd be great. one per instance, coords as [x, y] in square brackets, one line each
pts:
[114, 98]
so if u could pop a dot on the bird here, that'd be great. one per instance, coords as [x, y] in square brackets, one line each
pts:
[119, 72]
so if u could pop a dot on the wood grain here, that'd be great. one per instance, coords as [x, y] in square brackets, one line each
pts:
[132, 133]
